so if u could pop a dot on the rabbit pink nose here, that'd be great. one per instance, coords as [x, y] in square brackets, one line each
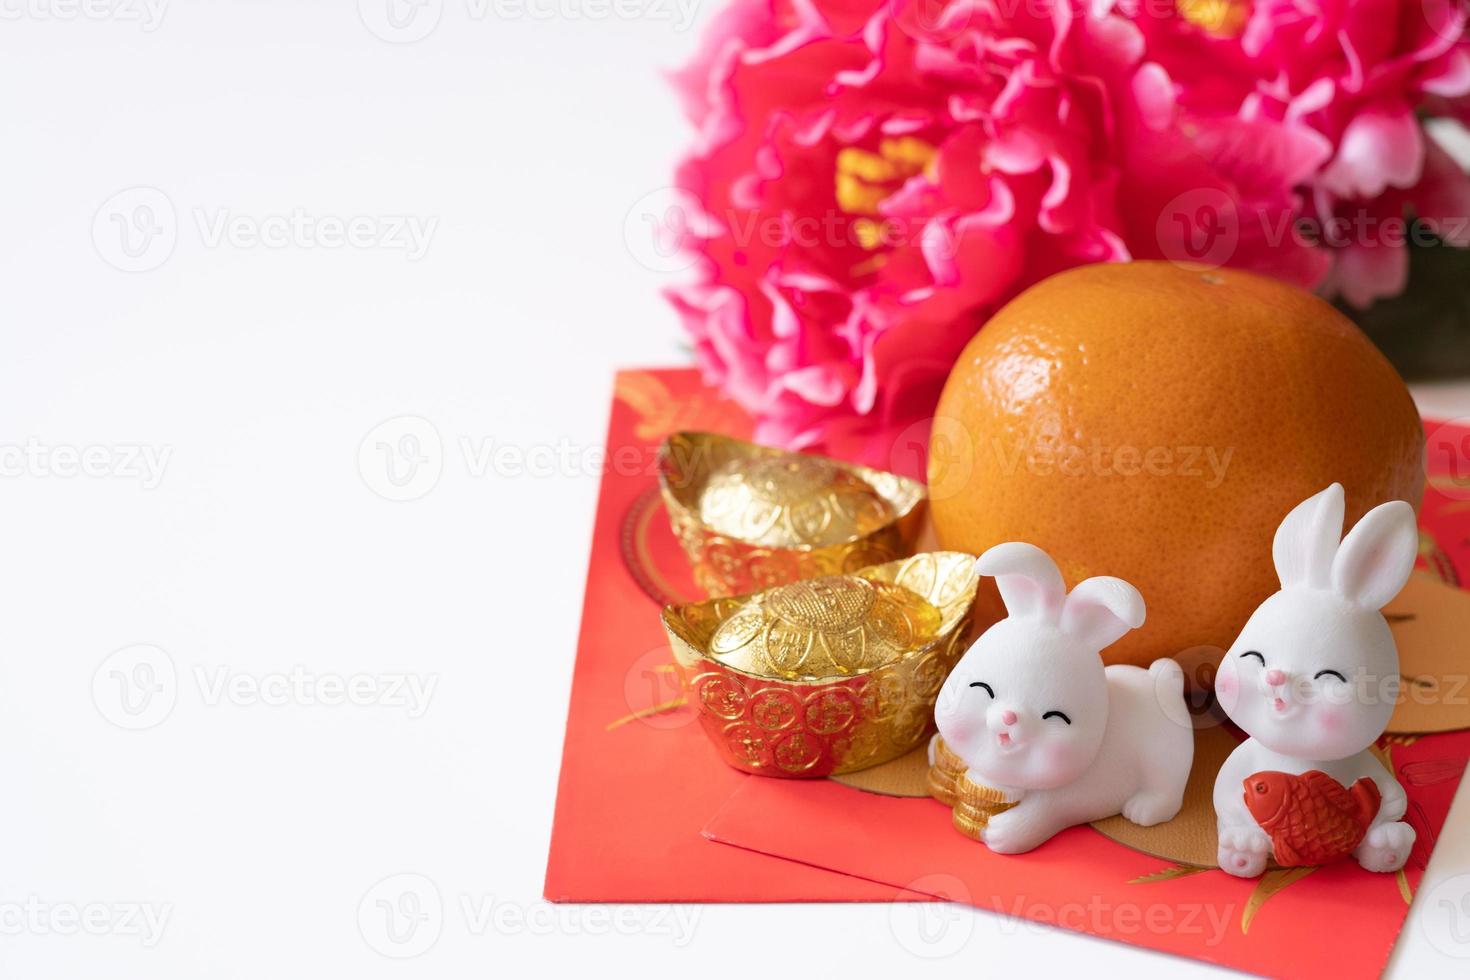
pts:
[1008, 717]
[1275, 678]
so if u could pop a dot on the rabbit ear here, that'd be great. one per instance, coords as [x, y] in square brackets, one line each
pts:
[1307, 539]
[1377, 555]
[1027, 578]
[1100, 610]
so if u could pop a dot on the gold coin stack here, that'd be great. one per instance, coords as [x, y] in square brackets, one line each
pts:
[945, 774]
[973, 804]
[977, 804]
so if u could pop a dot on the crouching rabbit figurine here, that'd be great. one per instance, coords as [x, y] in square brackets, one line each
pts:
[1037, 728]
[1312, 679]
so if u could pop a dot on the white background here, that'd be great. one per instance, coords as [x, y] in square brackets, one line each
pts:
[261, 830]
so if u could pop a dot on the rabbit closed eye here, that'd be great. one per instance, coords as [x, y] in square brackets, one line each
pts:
[1036, 717]
[1314, 672]
[1027, 706]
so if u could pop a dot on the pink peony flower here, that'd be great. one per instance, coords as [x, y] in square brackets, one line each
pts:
[873, 183]
[1355, 73]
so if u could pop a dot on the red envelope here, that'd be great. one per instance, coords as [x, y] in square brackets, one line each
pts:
[639, 780]
[1334, 922]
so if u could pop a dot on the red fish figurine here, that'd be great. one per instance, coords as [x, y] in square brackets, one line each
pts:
[1312, 818]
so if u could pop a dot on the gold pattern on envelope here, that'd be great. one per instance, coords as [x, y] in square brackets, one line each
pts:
[829, 675]
[751, 517]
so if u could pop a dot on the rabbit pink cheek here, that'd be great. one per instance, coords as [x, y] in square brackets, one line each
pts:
[1332, 719]
[957, 728]
[1057, 758]
[1227, 687]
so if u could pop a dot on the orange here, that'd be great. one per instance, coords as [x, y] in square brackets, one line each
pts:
[1156, 422]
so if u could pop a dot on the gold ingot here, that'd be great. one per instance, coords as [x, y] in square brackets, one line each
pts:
[826, 675]
[752, 517]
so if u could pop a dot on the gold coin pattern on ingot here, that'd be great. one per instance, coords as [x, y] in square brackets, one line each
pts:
[737, 631]
[830, 626]
[798, 752]
[751, 517]
[723, 697]
[789, 501]
[774, 709]
[830, 711]
[828, 676]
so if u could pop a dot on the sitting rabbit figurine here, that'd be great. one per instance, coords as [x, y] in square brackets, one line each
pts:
[1312, 679]
[1040, 722]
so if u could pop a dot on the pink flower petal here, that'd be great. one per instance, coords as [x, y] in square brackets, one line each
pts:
[1442, 198]
[1382, 148]
[1450, 77]
[1154, 92]
[1365, 273]
[952, 152]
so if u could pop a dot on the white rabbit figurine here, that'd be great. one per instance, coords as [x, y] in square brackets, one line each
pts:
[1034, 714]
[1312, 679]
